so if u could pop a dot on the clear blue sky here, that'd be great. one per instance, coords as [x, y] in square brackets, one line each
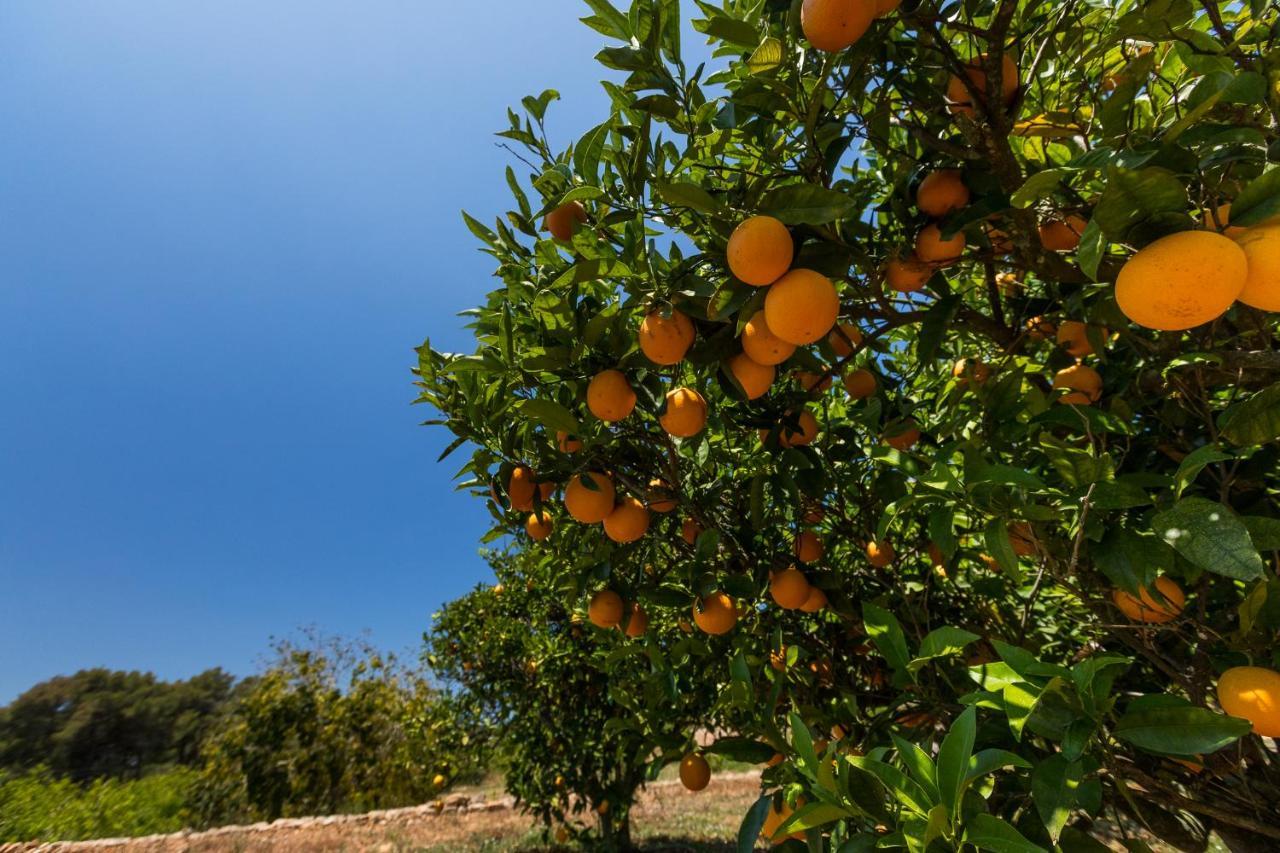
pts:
[223, 228]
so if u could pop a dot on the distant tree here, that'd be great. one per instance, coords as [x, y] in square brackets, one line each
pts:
[99, 723]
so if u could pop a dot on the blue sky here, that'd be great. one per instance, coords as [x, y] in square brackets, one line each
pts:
[223, 228]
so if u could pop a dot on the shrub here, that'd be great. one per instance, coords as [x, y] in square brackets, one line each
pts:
[37, 805]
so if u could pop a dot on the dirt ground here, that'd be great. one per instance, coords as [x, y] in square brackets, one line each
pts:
[667, 818]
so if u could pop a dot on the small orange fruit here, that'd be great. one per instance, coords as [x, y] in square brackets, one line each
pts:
[609, 396]
[1084, 385]
[903, 437]
[1252, 693]
[686, 413]
[567, 443]
[587, 505]
[970, 369]
[814, 381]
[777, 816]
[936, 556]
[933, 249]
[789, 588]
[833, 25]
[860, 383]
[690, 530]
[695, 772]
[628, 522]
[760, 250]
[801, 307]
[637, 622]
[605, 609]
[1001, 244]
[807, 432]
[563, 221]
[1062, 235]
[1145, 607]
[761, 345]
[665, 340]
[816, 601]
[520, 488]
[907, 275]
[808, 547]
[961, 101]
[661, 497]
[539, 525]
[1073, 336]
[1038, 328]
[942, 192]
[1023, 538]
[715, 614]
[754, 378]
[1182, 281]
[845, 339]
[880, 554]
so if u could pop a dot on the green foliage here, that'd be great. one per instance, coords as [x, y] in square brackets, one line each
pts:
[37, 805]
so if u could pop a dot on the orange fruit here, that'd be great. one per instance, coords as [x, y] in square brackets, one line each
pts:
[520, 488]
[628, 521]
[961, 102]
[665, 340]
[1001, 244]
[801, 307]
[695, 772]
[586, 505]
[539, 525]
[816, 601]
[777, 816]
[715, 614]
[1073, 336]
[637, 622]
[808, 547]
[1182, 280]
[761, 345]
[686, 413]
[661, 497]
[935, 556]
[967, 369]
[932, 249]
[907, 275]
[754, 377]
[1252, 693]
[880, 554]
[567, 443]
[789, 588]
[942, 192]
[690, 530]
[808, 431]
[860, 383]
[903, 437]
[1262, 252]
[777, 759]
[884, 7]
[814, 381]
[833, 25]
[760, 250]
[1224, 222]
[845, 339]
[1145, 607]
[605, 609]
[563, 221]
[1038, 328]
[1062, 235]
[609, 396]
[1084, 385]
[1023, 538]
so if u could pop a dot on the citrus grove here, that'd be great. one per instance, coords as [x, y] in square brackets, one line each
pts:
[892, 402]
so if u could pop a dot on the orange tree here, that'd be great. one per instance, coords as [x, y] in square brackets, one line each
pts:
[920, 354]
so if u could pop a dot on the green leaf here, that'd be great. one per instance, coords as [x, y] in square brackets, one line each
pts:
[999, 545]
[991, 833]
[991, 760]
[680, 194]
[1210, 536]
[953, 759]
[885, 632]
[1133, 196]
[1092, 249]
[1131, 560]
[1040, 185]
[918, 764]
[813, 815]
[608, 20]
[935, 326]
[1180, 731]
[1258, 201]
[1265, 532]
[942, 642]
[766, 57]
[1257, 419]
[752, 823]
[1194, 463]
[807, 204]
[903, 789]
[1053, 788]
[742, 749]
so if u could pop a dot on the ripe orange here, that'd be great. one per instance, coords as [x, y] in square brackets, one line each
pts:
[637, 622]
[1252, 693]
[801, 307]
[695, 772]
[1001, 244]
[628, 521]
[932, 249]
[761, 344]
[907, 275]
[539, 525]
[686, 413]
[860, 383]
[665, 340]
[1038, 328]
[942, 192]
[1224, 222]
[715, 614]
[605, 609]
[961, 102]
[760, 250]
[816, 601]
[563, 222]
[1182, 280]
[833, 25]
[808, 431]
[903, 437]
[609, 396]
[661, 496]
[586, 505]
[520, 488]
[789, 588]
[567, 443]
[1073, 336]
[1084, 384]
[1023, 538]
[808, 547]
[777, 816]
[1145, 607]
[935, 556]
[967, 369]
[755, 378]
[845, 339]
[820, 382]
[1262, 284]
[880, 554]
[1062, 235]
[690, 530]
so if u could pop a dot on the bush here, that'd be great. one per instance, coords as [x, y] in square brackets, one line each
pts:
[38, 806]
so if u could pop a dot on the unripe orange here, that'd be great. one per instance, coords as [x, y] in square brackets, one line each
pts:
[933, 249]
[1252, 693]
[761, 345]
[755, 378]
[808, 547]
[686, 413]
[605, 609]
[539, 525]
[587, 505]
[1083, 383]
[942, 192]
[845, 339]
[665, 340]
[801, 307]
[715, 614]
[1182, 281]
[1145, 607]
[760, 250]
[789, 588]
[860, 383]
[833, 25]
[609, 396]
[563, 221]
[695, 772]
[628, 522]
